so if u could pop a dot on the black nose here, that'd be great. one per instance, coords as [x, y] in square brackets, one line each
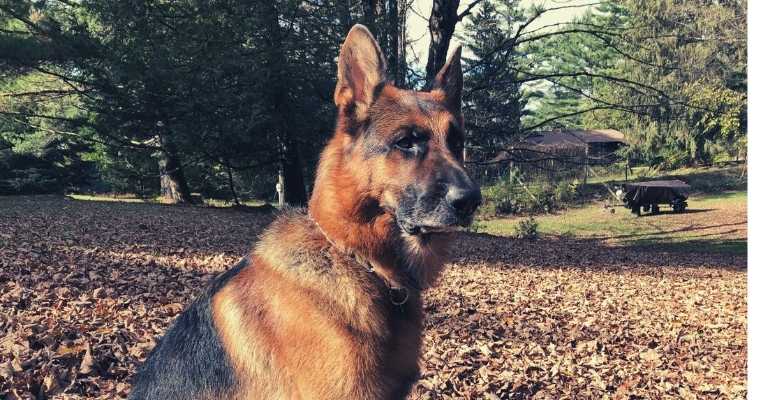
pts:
[464, 200]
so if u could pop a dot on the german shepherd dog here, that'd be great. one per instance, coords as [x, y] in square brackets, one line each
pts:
[328, 305]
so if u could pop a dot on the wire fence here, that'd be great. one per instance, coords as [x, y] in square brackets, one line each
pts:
[534, 164]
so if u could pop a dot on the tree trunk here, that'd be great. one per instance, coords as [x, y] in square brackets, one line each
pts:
[283, 114]
[371, 16]
[293, 174]
[374, 19]
[386, 19]
[280, 188]
[232, 187]
[441, 25]
[173, 185]
[345, 17]
[396, 41]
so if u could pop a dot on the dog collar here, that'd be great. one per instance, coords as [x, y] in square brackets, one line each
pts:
[398, 295]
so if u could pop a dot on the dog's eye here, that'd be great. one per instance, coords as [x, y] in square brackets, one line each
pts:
[406, 143]
[411, 140]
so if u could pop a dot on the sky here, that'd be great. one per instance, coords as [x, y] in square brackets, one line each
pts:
[417, 20]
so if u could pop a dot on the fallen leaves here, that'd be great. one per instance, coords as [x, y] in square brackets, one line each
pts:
[630, 326]
[651, 357]
[86, 289]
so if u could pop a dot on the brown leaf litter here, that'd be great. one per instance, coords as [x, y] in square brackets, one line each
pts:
[86, 288]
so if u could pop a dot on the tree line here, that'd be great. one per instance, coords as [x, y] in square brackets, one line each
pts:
[226, 97]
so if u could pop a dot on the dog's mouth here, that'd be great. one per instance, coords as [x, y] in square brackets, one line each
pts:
[440, 229]
[416, 229]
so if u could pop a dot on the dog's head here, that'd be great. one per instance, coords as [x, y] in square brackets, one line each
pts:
[404, 149]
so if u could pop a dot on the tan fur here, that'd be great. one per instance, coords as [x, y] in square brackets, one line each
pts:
[315, 322]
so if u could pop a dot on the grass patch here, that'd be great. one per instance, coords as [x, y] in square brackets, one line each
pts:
[108, 198]
[208, 202]
[713, 223]
[228, 203]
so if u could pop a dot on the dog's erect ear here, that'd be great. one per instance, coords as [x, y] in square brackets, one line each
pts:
[449, 80]
[361, 69]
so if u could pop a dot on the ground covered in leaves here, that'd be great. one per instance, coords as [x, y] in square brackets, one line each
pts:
[87, 287]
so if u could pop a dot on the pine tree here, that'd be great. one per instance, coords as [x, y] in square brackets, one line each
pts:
[496, 101]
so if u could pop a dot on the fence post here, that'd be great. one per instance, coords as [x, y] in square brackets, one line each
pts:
[280, 187]
[586, 163]
[627, 169]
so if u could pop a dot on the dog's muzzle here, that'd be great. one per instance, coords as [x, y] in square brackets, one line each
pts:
[435, 212]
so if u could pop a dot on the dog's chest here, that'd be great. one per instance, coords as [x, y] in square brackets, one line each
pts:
[289, 341]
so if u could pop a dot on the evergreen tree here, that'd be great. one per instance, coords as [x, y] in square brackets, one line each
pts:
[495, 100]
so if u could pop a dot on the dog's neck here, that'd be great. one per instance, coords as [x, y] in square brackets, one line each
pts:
[354, 221]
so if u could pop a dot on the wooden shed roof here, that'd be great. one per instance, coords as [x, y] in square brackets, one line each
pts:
[575, 137]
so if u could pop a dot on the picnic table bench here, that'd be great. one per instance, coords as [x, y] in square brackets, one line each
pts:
[649, 195]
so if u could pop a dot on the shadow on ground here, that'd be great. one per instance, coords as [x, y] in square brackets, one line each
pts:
[569, 252]
[688, 211]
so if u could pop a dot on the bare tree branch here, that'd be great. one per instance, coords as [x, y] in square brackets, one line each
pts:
[468, 10]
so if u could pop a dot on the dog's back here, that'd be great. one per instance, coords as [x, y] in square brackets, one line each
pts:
[189, 362]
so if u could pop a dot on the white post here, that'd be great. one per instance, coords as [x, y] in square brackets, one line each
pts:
[280, 187]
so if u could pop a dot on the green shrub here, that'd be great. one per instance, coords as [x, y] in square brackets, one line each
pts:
[565, 192]
[542, 200]
[505, 198]
[500, 198]
[527, 229]
[476, 227]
